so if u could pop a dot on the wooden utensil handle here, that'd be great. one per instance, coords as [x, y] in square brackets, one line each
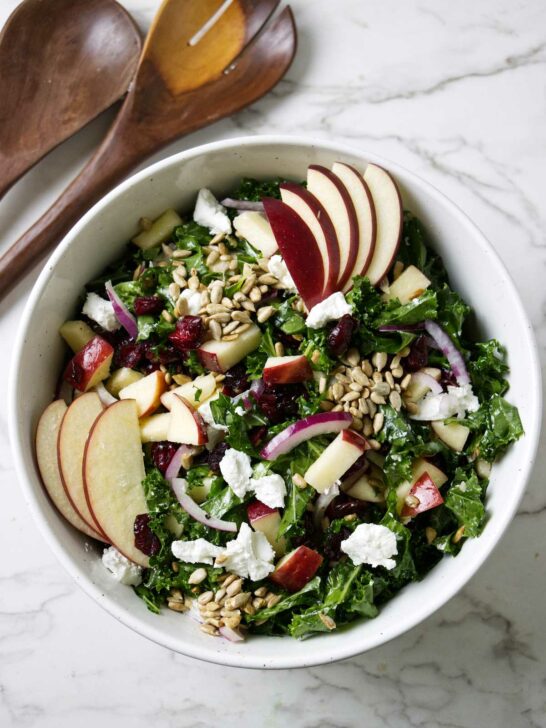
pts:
[109, 165]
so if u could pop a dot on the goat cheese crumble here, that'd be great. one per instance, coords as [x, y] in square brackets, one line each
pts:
[371, 544]
[250, 555]
[453, 403]
[236, 470]
[199, 551]
[121, 568]
[271, 490]
[194, 301]
[101, 312]
[210, 213]
[278, 268]
[331, 309]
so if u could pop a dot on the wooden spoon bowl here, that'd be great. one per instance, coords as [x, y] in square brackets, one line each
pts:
[62, 62]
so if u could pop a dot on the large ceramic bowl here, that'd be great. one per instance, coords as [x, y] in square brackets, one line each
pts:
[476, 272]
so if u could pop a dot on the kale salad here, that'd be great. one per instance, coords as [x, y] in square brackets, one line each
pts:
[279, 408]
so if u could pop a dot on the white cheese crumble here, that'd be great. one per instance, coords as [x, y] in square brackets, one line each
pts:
[194, 300]
[453, 403]
[331, 309]
[199, 551]
[100, 311]
[236, 470]
[240, 411]
[210, 213]
[371, 544]
[271, 490]
[121, 568]
[249, 555]
[278, 268]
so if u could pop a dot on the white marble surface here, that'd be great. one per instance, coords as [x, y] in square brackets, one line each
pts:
[456, 92]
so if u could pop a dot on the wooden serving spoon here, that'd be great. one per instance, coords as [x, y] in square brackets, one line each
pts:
[62, 62]
[192, 72]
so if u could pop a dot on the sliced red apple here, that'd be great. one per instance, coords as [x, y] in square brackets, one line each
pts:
[365, 215]
[299, 249]
[155, 428]
[196, 392]
[120, 379]
[267, 520]
[333, 195]
[90, 365]
[74, 431]
[287, 369]
[295, 569]
[186, 424]
[146, 392]
[410, 284]
[335, 460]
[47, 434]
[423, 496]
[389, 218]
[453, 434]
[255, 227]
[318, 221]
[76, 334]
[113, 473]
[219, 356]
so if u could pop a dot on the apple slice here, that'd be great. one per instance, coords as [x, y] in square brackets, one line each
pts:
[365, 215]
[389, 219]
[410, 284]
[120, 379]
[318, 221]
[113, 473]
[423, 496]
[338, 457]
[255, 227]
[47, 434]
[186, 425]
[421, 466]
[287, 369]
[74, 431]
[454, 435]
[219, 356]
[90, 365]
[146, 392]
[196, 392]
[369, 487]
[76, 334]
[299, 249]
[161, 229]
[295, 569]
[333, 195]
[155, 428]
[267, 520]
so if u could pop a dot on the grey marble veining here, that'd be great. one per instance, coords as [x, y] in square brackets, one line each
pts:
[456, 92]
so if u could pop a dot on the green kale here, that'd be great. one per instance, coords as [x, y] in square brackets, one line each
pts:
[452, 313]
[495, 425]
[255, 190]
[191, 236]
[488, 369]
[288, 320]
[315, 347]
[304, 596]
[255, 361]
[415, 250]
[419, 309]
[465, 500]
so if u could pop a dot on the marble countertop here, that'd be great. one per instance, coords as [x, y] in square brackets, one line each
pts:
[455, 92]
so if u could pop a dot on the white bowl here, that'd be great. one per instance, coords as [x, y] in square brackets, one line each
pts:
[476, 272]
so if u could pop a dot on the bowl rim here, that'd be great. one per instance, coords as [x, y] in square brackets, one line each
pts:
[321, 655]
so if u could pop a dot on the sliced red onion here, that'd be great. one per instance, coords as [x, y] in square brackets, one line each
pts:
[190, 506]
[450, 351]
[312, 426]
[104, 395]
[123, 315]
[427, 381]
[230, 634]
[243, 204]
[322, 503]
[173, 468]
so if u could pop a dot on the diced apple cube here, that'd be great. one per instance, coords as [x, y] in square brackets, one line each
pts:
[89, 365]
[295, 569]
[146, 392]
[421, 466]
[155, 428]
[76, 334]
[287, 369]
[161, 229]
[255, 227]
[219, 356]
[333, 462]
[186, 425]
[454, 435]
[422, 496]
[409, 285]
[267, 520]
[120, 379]
[195, 392]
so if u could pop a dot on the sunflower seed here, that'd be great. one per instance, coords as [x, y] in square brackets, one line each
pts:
[265, 313]
[197, 576]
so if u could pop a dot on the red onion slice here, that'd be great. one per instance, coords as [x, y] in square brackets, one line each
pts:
[242, 204]
[175, 463]
[427, 381]
[230, 634]
[123, 315]
[312, 426]
[190, 506]
[450, 351]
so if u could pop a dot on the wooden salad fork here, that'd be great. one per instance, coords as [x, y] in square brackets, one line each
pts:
[202, 60]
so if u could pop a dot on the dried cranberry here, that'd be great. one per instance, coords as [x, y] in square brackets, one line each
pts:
[188, 334]
[162, 454]
[148, 305]
[167, 355]
[257, 435]
[344, 505]
[128, 355]
[278, 402]
[236, 381]
[216, 455]
[339, 337]
[145, 539]
[332, 544]
[418, 356]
